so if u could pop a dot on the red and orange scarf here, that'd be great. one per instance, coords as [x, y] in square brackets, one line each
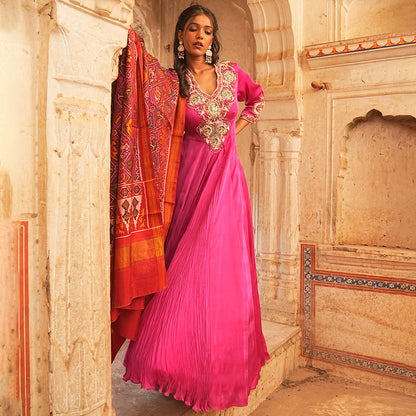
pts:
[147, 125]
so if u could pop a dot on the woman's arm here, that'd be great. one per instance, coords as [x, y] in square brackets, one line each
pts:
[253, 97]
[240, 124]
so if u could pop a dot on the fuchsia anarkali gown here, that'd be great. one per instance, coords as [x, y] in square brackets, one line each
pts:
[200, 339]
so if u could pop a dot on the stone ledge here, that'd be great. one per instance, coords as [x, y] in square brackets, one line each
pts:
[360, 50]
[395, 262]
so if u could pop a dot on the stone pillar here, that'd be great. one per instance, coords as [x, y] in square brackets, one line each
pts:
[82, 57]
[277, 159]
[278, 226]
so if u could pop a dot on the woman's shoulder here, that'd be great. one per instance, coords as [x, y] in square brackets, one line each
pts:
[227, 65]
[228, 69]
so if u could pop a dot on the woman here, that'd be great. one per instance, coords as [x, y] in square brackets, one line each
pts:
[200, 339]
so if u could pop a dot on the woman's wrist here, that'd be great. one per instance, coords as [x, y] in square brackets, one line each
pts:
[240, 124]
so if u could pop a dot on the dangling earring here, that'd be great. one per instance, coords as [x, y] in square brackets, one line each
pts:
[181, 50]
[208, 55]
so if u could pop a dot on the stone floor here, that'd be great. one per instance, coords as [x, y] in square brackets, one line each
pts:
[312, 392]
[130, 400]
[308, 392]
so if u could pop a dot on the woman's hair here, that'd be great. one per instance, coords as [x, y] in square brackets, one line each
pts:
[180, 64]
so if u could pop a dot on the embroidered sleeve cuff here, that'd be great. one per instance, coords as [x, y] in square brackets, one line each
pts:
[252, 113]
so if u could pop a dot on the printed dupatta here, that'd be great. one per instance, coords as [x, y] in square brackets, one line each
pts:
[147, 126]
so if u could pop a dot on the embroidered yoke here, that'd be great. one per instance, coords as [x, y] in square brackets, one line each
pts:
[214, 108]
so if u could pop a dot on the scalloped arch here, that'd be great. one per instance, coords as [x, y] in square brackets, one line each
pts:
[272, 21]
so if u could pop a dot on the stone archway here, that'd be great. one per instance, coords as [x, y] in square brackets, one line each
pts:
[277, 157]
[275, 141]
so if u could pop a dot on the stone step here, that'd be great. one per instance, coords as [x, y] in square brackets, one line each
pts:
[283, 344]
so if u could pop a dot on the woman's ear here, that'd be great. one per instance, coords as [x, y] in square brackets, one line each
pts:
[180, 35]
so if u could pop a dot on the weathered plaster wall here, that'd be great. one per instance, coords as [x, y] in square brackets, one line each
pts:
[23, 32]
[373, 17]
[355, 182]
[58, 60]
[147, 22]
[332, 20]
[376, 193]
[9, 307]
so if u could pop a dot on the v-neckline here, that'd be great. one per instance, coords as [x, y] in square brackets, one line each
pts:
[200, 89]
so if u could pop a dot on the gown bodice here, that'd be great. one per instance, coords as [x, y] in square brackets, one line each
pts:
[211, 117]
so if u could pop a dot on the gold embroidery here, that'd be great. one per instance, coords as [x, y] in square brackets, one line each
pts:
[214, 108]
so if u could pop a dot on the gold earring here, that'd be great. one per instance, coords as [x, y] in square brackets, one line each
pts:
[181, 50]
[208, 55]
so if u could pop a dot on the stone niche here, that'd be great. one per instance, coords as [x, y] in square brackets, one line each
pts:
[376, 192]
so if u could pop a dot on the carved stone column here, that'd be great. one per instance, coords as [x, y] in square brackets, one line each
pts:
[278, 226]
[82, 53]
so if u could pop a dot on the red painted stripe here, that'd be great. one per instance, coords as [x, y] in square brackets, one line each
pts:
[24, 361]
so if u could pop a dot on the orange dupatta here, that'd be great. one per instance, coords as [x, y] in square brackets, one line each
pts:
[146, 137]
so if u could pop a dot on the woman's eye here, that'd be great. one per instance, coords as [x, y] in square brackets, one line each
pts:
[207, 32]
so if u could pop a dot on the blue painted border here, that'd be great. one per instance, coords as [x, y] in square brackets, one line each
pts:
[310, 277]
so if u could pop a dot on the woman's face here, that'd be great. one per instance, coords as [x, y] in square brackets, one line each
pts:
[197, 35]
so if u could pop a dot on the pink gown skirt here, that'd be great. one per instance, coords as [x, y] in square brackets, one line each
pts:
[200, 339]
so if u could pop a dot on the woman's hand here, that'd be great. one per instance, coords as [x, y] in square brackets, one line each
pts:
[240, 124]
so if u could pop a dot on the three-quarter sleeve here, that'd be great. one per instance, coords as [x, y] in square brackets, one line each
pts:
[252, 95]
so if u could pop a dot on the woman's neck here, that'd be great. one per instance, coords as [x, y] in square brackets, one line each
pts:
[197, 65]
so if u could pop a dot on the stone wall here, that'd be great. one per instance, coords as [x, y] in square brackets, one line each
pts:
[356, 183]
[24, 27]
[59, 59]
[83, 49]
[9, 328]
[376, 192]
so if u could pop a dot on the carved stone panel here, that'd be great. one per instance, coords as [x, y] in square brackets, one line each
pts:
[278, 232]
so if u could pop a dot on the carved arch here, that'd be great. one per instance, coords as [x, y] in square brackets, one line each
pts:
[275, 148]
[272, 21]
[277, 164]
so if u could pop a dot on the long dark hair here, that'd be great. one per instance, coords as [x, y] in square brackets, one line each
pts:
[180, 64]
